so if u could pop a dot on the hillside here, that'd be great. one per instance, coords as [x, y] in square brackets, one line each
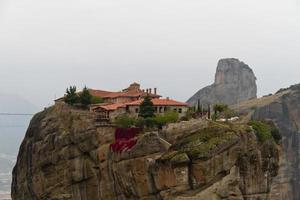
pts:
[66, 155]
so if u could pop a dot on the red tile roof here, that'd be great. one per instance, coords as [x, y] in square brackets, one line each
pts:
[107, 94]
[159, 102]
[112, 106]
[156, 102]
[100, 93]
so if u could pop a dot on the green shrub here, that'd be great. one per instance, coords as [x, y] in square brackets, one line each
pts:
[150, 122]
[96, 100]
[275, 132]
[168, 117]
[125, 121]
[276, 135]
[214, 117]
[219, 108]
[71, 96]
[140, 122]
[228, 113]
[262, 130]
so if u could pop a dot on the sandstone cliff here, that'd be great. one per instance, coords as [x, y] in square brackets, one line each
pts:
[65, 155]
[283, 108]
[234, 82]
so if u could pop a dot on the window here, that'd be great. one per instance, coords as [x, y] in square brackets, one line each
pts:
[160, 109]
[136, 110]
[175, 109]
[180, 110]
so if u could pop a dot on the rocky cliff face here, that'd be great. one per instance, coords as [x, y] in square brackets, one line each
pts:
[66, 156]
[283, 108]
[234, 82]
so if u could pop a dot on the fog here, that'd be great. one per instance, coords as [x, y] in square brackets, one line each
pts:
[174, 45]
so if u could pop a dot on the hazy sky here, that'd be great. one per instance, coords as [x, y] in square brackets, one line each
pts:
[46, 45]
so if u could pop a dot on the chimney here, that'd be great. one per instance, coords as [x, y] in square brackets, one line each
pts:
[143, 90]
[147, 91]
[168, 98]
[150, 90]
[155, 91]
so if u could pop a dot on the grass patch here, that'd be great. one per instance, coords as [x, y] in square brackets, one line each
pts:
[203, 142]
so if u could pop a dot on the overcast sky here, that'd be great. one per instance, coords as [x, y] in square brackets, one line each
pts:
[47, 45]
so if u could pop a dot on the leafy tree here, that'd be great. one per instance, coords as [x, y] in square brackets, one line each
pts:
[218, 109]
[262, 130]
[71, 96]
[85, 97]
[124, 121]
[96, 100]
[146, 108]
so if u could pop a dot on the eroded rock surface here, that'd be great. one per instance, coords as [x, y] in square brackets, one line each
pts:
[283, 109]
[234, 82]
[66, 156]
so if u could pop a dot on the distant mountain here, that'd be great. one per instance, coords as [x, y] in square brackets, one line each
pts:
[234, 82]
[12, 131]
[12, 127]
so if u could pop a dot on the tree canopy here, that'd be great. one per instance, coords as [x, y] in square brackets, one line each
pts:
[71, 96]
[219, 108]
[146, 108]
[85, 97]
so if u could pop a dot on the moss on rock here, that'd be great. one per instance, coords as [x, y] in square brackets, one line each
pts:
[206, 142]
[180, 158]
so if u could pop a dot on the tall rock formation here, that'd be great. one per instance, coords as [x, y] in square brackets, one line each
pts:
[282, 108]
[234, 82]
[65, 155]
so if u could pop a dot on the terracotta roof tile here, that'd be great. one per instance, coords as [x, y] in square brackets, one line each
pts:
[159, 102]
[156, 102]
[112, 106]
[108, 94]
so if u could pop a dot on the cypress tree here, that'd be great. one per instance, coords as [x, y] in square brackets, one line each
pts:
[85, 97]
[146, 108]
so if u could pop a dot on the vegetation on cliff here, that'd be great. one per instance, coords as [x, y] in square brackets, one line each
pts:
[155, 122]
[84, 97]
[204, 143]
[265, 130]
